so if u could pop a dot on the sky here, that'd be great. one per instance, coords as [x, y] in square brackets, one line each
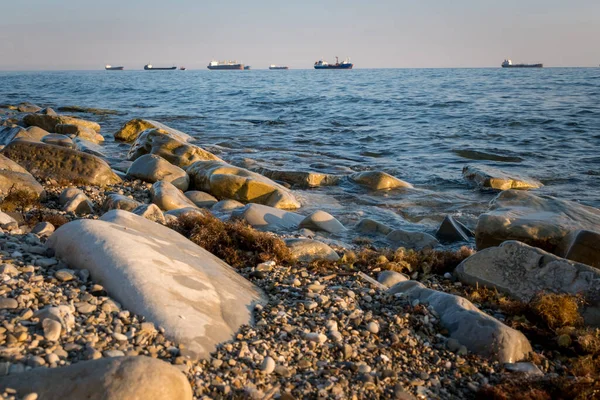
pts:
[84, 34]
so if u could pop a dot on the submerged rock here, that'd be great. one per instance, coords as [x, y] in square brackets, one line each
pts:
[175, 151]
[538, 221]
[152, 168]
[308, 250]
[132, 129]
[479, 332]
[155, 272]
[132, 378]
[492, 178]
[377, 180]
[61, 164]
[168, 197]
[371, 226]
[522, 271]
[301, 178]
[267, 218]
[322, 221]
[48, 122]
[27, 107]
[224, 181]
[411, 240]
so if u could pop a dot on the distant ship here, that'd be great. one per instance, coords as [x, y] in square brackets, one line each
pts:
[182, 68]
[273, 66]
[246, 67]
[225, 65]
[346, 64]
[111, 68]
[509, 64]
[149, 67]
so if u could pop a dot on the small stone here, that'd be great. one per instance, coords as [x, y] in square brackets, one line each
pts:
[7, 303]
[316, 337]
[30, 396]
[113, 353]
[119, 337]
[65, 275]
[268, 365]
[52, 359]
[86, 308]
[43, 229]
[364, 368]
[453, 345]
[52, 329]
[373, 327]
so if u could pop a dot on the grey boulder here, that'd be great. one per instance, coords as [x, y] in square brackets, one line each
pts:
[152, 168]
[267, 218]
[322, 221]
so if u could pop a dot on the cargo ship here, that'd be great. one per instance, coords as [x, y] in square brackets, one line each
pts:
[246, 67]
[509, 64]
[225, 65]
[273, 66]
[322, 64]
[150, 67]
[111, 68]
[182, 68]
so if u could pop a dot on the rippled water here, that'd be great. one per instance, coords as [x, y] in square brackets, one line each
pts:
[421, 125]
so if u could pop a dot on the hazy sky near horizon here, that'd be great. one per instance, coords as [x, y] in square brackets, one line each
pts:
[83, 34]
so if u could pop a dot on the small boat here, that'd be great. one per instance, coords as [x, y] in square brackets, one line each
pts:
[150, 67]
[273, 66]
[246, 67]
[322, 64]
[225, 65]
[111, 68]
[509, 64]
[182, 68]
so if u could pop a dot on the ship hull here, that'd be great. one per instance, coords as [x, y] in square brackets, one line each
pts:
[226, 67]
[340, 66]
[159, 69]
[524, 66]
[275, 68]
[114, 68]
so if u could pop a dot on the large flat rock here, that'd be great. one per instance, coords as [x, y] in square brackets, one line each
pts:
[523, 271]
[155, 272]
[491, 178]
[48, 122]
[477, 331]
[65, 165]
[118, 378]
[302, 179]
[538, 221]
[225, 181]
[132, 128]
[172, 149]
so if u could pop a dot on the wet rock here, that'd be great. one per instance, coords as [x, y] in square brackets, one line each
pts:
[371, 226]
[479, 332]
[132, 378]
[85, 146]
[322, 221]
[61, 164]
[390, 278]
[452, 231]
[151, 212]
[411, 240]
[27, 107]
[377, 180]
[202, 199]
[538, 221]
[132, 129]
[197, 298]
[59, 140]
[10, 133]
[492, 178]
[581, 246]
[225, 181]
[115, 201]
[152, 168]
[300, 178]
[226, 205]
[166, 196]
[12, 176]
[48, 122]
[175, 151]
[522, 271]
[308, 250]
[43, 229]
[78, 131]
[267, 218]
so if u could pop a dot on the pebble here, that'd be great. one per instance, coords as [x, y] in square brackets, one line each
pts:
[316, 337]
[64, 275]
[113, 353]
[373, 327]
[52, 329]
[7, 303]
[268, 365]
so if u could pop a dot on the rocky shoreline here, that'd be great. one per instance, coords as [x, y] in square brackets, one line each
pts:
[285, 306]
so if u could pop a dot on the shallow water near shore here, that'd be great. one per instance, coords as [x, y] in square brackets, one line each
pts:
[421, 125]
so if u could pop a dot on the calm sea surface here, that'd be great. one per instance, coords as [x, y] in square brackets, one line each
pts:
[421, 125]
